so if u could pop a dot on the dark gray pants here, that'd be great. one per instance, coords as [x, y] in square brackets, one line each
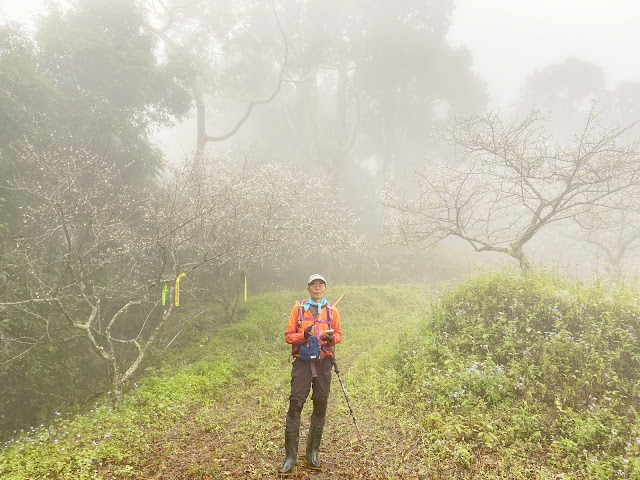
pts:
[302, 380]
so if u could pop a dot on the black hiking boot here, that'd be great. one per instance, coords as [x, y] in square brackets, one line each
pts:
[291, 452]
[313, 446]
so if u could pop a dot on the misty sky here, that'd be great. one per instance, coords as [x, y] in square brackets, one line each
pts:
[509, 39]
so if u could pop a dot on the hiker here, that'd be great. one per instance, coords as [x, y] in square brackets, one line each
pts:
[312, 331]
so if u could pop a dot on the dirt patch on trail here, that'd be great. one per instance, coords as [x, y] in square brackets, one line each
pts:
[240, 441]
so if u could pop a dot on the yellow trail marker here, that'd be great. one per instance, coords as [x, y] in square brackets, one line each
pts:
[178, 288]
[245, 288]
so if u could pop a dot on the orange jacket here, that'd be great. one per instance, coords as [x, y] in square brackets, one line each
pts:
[295, 336]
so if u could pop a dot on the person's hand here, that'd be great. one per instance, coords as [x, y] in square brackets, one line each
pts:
[309, 331]
[326, 336]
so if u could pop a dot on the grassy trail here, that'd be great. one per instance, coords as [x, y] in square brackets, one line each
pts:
[241, 435]
[216, 409]
[430, 403]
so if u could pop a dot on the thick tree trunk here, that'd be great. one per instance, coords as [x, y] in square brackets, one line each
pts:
[116, 380]
[523, 261]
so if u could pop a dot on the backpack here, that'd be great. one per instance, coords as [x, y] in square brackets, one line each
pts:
[310, 350]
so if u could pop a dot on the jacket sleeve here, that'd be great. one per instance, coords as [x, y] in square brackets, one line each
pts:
[290, 335]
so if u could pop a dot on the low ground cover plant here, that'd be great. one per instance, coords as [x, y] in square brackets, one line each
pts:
[528, 374]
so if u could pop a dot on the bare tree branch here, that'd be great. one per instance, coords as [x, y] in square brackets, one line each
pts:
[514, 182]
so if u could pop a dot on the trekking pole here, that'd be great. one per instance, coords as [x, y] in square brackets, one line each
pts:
[353, 415]
[344, 390]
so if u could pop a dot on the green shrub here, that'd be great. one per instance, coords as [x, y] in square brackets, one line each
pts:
[535, 360]
[558, 343]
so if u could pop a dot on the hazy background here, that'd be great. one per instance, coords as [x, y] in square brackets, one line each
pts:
[553, 55]
[251, 143]
[511, 39]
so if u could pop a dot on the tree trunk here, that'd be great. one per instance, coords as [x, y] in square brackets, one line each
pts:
[116, 380]
[523, 261]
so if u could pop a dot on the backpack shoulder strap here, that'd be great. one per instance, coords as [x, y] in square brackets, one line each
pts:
[295, 348]
[300, 313]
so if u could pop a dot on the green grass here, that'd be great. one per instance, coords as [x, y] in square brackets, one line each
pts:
[116, 441]
[505, 377]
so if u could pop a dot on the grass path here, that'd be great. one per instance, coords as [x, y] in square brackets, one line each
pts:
[216, 409]
[214, 406]
[241, 436]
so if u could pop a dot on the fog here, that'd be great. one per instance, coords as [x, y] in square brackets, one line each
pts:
[509, 40]
[357, 101]
[235, 147]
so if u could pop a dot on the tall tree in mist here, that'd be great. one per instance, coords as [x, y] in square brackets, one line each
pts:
[513, 182]
[101, 85]
[566, 88]
[565, 91]
[365, 82]
[346, 89]
[375, 77]
[236, 53]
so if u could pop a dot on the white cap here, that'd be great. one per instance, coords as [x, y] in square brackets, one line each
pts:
[316, 276]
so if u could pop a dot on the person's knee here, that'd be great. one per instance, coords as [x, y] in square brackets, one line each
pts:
[295, 408]
[320, 407]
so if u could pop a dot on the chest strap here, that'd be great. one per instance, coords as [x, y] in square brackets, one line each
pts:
[329, 321]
